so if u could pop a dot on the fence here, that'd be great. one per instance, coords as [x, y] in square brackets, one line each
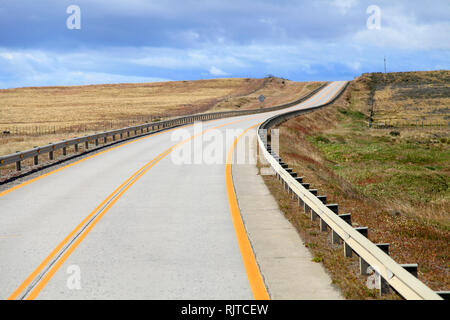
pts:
[39, 130]
[131, 132]
[416, 124]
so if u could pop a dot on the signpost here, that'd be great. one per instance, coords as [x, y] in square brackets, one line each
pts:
[261, 99]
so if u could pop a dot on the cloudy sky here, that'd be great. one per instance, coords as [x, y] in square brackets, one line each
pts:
[157, 40]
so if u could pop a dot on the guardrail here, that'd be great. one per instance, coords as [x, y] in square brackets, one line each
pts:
[402, 278]
[126, 133]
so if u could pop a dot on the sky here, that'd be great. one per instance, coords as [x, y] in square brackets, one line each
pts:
[122, 41]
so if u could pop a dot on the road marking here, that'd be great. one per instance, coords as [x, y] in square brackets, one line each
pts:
[251, 267]
[92, 220]
[150, 135]
[23, 184]
[71, 235]
[88, 223]
[9, 236]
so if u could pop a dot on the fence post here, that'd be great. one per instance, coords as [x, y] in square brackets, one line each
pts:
[18, 164]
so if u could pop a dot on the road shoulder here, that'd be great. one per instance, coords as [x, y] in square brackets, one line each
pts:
[285, 263]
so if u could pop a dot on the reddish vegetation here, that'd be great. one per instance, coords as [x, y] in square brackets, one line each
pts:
[412, 239]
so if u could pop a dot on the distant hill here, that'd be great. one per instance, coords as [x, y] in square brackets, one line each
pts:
[39, 115]
[407, 98]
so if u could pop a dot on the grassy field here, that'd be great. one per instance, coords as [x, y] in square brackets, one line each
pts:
[408, 98]
[277, 91]
[395, 181]
[37, 116]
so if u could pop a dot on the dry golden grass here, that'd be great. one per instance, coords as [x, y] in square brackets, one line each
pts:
[84, 104]
[277, 91]
[12, 144]
[63, 112]
[410, 98]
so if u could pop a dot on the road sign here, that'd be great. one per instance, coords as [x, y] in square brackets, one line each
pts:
[261, 98]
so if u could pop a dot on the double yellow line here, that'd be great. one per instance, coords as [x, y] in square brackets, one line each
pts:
[41, 275]
[60, 254]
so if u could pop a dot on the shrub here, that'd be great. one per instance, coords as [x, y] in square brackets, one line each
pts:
[317, 259]
[321, 139]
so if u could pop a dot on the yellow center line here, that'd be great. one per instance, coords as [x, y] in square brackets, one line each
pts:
[150, 135]
[38, 288]
[66, 254]
[23, 184]
[135, 176]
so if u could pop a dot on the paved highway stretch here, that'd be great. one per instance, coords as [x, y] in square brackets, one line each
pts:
[134, 223]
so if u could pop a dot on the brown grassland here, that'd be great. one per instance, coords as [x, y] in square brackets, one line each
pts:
[394, 181]
[41, 115]
[409, 98]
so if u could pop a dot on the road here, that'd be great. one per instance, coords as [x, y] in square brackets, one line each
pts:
[137, 221]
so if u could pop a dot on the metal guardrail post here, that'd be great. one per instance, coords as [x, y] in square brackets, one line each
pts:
[323, 225]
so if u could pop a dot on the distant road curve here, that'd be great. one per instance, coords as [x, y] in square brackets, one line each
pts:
[132, 224]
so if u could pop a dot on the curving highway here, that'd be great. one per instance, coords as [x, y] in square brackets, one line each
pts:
[156, 217]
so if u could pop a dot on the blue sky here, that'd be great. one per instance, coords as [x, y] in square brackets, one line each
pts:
[156, 40]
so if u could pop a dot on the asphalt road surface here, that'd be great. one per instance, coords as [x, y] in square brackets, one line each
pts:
[144, 220]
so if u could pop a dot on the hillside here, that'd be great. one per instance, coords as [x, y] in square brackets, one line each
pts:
[39, 115]
[394, 181]
[408, 98]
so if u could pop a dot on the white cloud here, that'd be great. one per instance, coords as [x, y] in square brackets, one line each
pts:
[344, 5]
[41, 68]
[404, 32]
[69, 78]
[6, 55]
[188, 35]
[217, 72]
[182, 59]
[355, 65]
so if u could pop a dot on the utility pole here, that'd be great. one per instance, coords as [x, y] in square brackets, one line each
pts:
[384, 64]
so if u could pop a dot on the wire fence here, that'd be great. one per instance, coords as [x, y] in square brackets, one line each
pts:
[40, 130]
[415, 124]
